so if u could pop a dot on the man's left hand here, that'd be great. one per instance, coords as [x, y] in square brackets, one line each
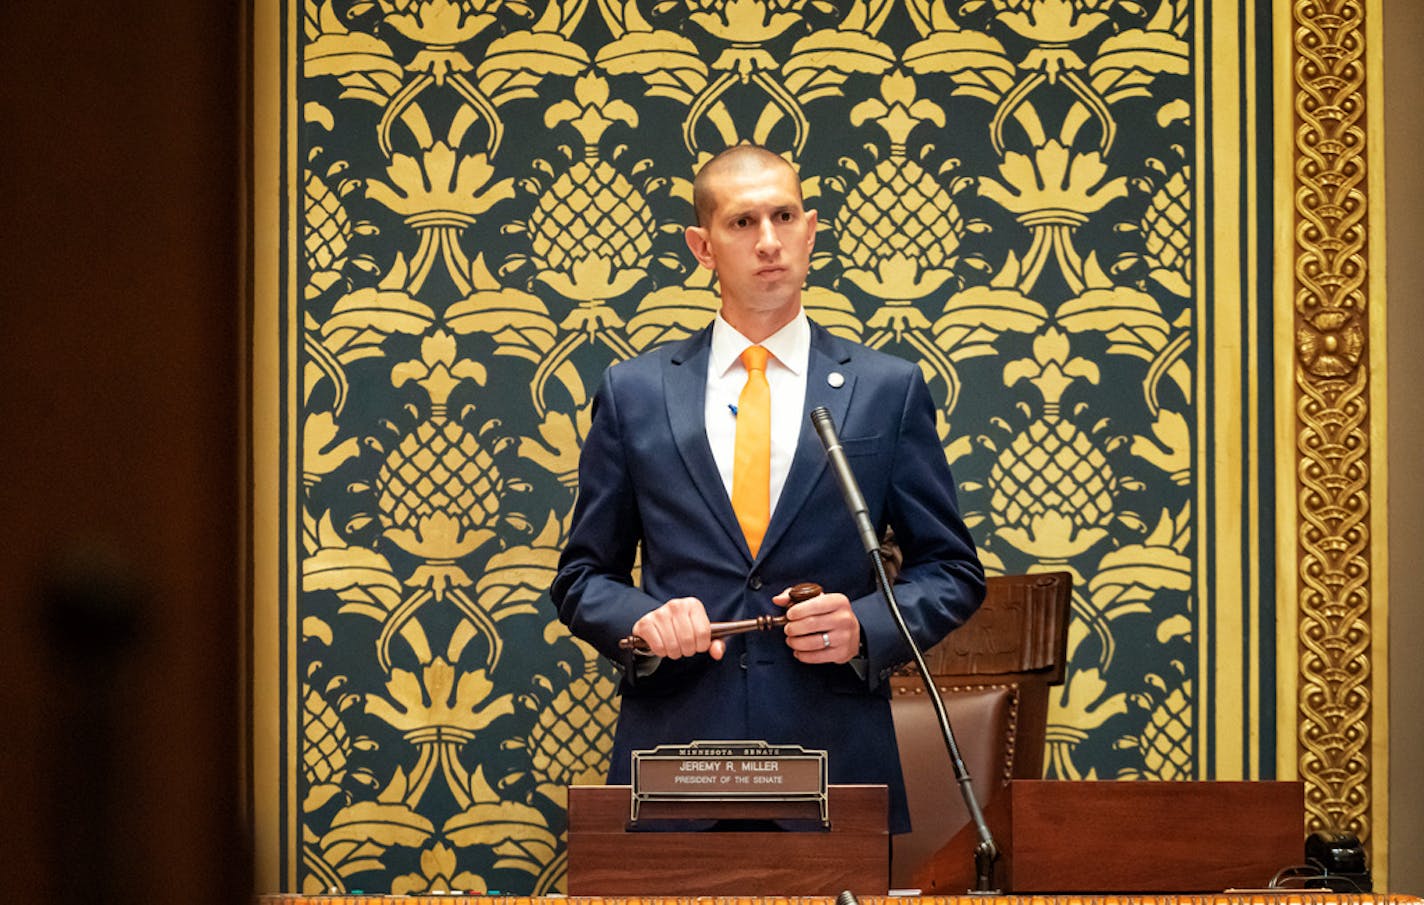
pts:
[821, 630]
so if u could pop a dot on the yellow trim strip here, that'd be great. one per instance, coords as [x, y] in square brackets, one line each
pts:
[291, 406]
[267, 712]
[1379, 444]
[1255, 561]
[1287, 517]
[1202, 318]
[1231, 359]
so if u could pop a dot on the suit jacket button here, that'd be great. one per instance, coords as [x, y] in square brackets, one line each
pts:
[754, 582]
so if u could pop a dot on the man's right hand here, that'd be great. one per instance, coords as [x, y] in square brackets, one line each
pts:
[679, 628]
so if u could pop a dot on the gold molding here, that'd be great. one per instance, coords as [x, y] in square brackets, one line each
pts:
[1330, 395]
[273, 711]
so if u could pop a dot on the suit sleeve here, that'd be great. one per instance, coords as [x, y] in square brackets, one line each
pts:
[941, 582]
[594, 590]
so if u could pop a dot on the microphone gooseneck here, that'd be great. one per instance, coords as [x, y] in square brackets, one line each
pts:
[986, 853]
[855, 502]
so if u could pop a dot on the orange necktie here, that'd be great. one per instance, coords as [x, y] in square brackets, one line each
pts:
[751, 469]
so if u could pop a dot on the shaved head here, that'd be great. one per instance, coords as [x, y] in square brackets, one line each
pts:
[734, 160]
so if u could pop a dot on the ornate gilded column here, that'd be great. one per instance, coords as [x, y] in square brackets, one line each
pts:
[1335, 399]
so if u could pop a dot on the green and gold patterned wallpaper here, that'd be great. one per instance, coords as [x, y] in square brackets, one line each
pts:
[1057, 208]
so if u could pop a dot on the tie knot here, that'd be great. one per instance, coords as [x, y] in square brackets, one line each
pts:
[754, 358]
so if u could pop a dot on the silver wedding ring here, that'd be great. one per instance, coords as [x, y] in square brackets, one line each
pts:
[825, 640]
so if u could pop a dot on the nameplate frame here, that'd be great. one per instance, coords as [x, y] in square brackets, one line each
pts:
[717, 773]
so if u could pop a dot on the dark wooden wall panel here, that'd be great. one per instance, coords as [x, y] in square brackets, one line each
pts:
[119, 400]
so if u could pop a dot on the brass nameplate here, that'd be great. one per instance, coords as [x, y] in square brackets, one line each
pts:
[739, 771]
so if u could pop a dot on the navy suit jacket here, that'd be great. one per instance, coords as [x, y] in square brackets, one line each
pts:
[647, 476]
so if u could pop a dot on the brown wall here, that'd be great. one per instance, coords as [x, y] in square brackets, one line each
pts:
[119, 402]
[1404, 175]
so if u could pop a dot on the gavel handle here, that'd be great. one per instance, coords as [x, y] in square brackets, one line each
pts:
[798, 593]
[719, 630]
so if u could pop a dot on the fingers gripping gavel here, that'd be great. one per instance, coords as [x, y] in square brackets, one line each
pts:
[803, 591]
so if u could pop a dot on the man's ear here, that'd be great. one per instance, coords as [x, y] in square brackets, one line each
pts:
[811, 233]
[696, 237]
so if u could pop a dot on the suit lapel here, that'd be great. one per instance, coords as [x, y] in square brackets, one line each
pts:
[685, 384]
[828, 356]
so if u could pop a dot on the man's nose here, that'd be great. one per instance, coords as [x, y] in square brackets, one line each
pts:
[767, 239]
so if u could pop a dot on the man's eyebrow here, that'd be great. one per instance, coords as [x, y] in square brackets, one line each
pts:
[746, 212]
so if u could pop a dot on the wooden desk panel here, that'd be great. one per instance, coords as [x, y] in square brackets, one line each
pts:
[1130, 837]
[605, 858]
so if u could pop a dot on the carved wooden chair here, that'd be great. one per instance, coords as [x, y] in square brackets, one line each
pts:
[994, 673]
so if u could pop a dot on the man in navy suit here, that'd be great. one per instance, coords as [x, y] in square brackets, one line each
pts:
[656, 472]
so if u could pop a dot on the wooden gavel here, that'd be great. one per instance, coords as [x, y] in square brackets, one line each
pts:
[803, 591]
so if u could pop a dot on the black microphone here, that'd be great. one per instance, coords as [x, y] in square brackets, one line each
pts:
[821, 418]
[986, 853]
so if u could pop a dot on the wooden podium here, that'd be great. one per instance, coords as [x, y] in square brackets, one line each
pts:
[607, 858]
[1061, 837]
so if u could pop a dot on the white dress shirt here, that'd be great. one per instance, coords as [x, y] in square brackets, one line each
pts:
[790, 349]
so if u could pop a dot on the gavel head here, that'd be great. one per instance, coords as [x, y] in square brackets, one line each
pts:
[804, 591]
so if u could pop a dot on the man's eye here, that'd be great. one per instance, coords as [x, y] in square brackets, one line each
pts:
[740, 222]
[786, 216]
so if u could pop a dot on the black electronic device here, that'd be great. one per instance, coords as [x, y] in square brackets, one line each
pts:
[1340, 859]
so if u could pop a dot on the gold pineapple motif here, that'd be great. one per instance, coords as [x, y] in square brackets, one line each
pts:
[590, 232]
[1053, 489]
[328, 228]
[571, 740]
[591, 229]
[326, 746]
[898, 208]
[1166, 229]
[591, 211]
[1166, 740]
[438, 492]
[1052, 468]
[1166, 224]
[439, 468]
[899, 229]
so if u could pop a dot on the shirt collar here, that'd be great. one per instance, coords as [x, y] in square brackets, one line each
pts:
[790, 346]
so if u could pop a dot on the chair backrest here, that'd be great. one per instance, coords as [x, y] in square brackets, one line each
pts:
[993, 673]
